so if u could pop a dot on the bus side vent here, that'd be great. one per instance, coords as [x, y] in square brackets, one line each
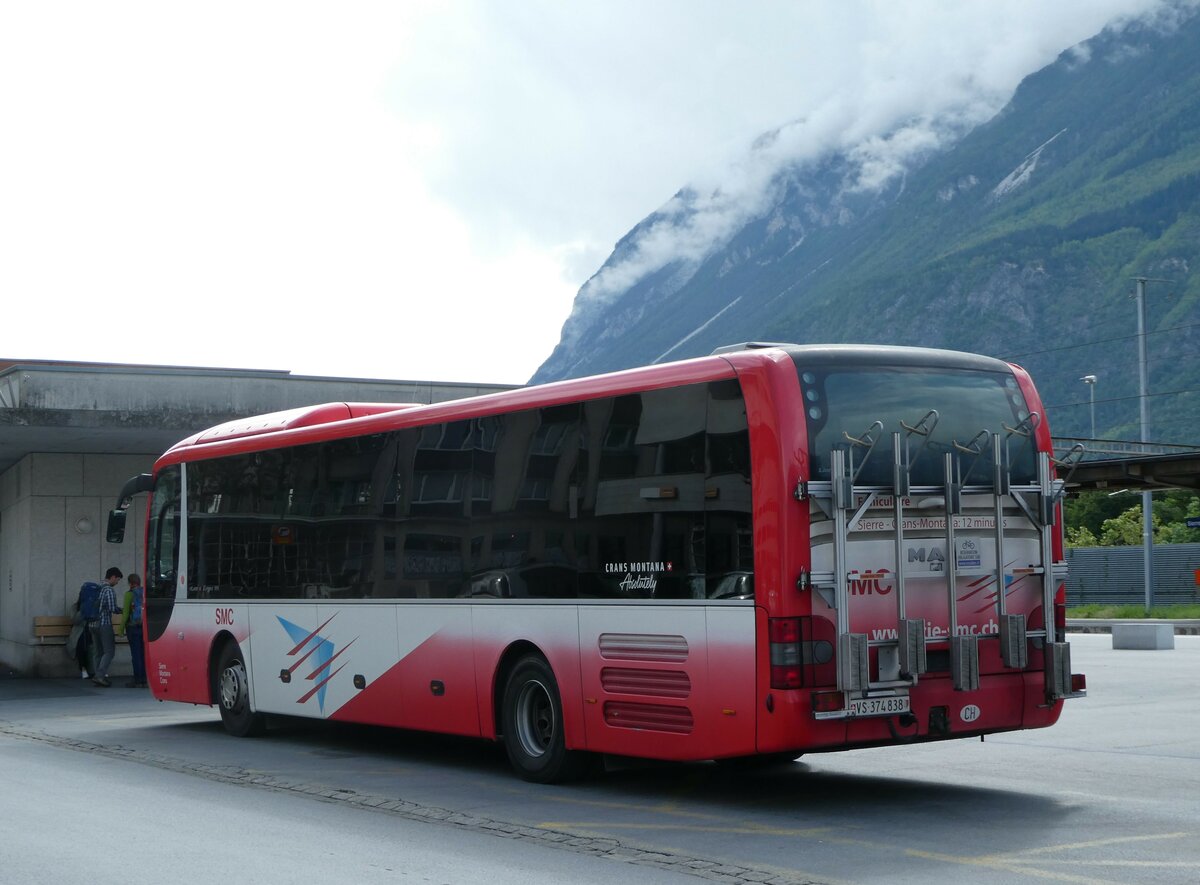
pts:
[853, 662]
[648, 717]
[964, 662]
[1014, 649]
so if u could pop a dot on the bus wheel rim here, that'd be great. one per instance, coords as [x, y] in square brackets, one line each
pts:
[535, 718]
[233, 681]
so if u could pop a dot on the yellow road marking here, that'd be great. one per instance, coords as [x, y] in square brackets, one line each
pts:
[1008, 866]
[1098, 843]
[1151, 864]
[1023, 861]
[783, 872]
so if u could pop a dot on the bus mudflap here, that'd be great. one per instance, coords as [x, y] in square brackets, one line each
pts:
[1060, 683]
[853, 662]
[964, 662]
[1014, 645]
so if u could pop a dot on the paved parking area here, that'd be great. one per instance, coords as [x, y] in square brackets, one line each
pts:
[1110, 794]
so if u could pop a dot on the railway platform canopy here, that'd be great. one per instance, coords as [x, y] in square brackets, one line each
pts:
[1114, 465]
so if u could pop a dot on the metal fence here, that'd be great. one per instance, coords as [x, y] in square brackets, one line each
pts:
[1113, 575]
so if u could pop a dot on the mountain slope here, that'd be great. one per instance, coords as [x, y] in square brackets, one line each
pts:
[1020, 241]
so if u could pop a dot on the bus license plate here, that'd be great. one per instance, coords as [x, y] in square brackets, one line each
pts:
[883, 706]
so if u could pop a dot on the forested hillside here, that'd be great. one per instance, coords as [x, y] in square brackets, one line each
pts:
[1021, 241]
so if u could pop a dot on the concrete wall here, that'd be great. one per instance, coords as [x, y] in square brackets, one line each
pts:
[53, 510]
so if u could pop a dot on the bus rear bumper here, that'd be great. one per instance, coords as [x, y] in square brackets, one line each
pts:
[934, 710]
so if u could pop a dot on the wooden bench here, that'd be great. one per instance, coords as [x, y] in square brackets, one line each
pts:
[54, 629]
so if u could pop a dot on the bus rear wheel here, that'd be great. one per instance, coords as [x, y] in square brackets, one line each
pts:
[533, 725]
[232, 691]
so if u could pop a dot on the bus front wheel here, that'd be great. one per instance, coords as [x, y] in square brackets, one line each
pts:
[233, 694]
[533, 725]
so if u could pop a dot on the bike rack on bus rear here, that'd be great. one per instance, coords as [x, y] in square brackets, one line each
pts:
[838, 498]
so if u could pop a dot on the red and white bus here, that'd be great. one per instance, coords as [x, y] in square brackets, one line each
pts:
[770, 551]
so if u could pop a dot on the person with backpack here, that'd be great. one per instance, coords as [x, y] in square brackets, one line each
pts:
[131, 624]
[102, 625]
[82, 640]
[78, 647]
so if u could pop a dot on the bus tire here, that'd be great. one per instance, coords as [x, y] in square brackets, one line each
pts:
[533, 725]
[232, 692]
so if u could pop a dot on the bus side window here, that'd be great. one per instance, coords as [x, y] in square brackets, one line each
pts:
[729, 542]
[645, 491]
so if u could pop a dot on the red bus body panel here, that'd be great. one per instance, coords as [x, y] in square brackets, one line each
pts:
[681, 680]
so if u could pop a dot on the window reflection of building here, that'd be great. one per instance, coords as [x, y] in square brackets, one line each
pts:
[443, 510]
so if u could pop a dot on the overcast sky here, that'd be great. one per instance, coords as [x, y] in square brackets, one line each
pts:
[417, 190]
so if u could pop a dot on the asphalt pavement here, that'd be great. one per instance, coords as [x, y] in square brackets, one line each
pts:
[1111, 794]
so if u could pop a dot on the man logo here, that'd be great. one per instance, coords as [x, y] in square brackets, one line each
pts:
[934, 559]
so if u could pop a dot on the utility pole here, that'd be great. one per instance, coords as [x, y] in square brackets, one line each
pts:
[1090, 381]
[1143, 386]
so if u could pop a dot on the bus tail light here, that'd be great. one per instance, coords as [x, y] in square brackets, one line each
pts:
[828, 701]
[784, 637]
[799, 657]
[1078, 682]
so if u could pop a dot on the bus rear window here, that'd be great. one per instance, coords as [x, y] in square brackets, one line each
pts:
[843, 403]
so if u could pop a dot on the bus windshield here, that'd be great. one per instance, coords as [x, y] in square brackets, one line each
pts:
[843, 403]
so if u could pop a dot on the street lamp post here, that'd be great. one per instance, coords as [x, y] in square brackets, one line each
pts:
[1143, 389]
[1090, 381]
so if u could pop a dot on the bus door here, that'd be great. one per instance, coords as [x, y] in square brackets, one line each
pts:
[955, 578]
[162, 584]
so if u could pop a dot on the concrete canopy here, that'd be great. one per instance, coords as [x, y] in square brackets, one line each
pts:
[108, 408]
[72, 433]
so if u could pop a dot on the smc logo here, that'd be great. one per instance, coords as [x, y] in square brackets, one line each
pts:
[869, 583]
[225, 616]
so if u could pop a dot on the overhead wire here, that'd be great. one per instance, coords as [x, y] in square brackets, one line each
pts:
[1098, 341]
[1119, 399]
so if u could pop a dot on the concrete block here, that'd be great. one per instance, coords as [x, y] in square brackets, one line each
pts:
[1143, 636]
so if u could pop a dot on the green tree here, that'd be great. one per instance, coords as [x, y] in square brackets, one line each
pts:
[1096, 519]
[1177, 505]
[1184, 506]
[1090, 509]
[1126, 530]
[1081, 536]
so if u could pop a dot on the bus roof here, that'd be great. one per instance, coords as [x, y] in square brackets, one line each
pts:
[873, 354]
[314, 423]
[306, 416]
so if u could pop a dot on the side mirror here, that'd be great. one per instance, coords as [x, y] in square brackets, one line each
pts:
[143, 482]
[116, 526]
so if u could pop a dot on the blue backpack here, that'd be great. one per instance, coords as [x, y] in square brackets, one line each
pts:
[89, 601]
